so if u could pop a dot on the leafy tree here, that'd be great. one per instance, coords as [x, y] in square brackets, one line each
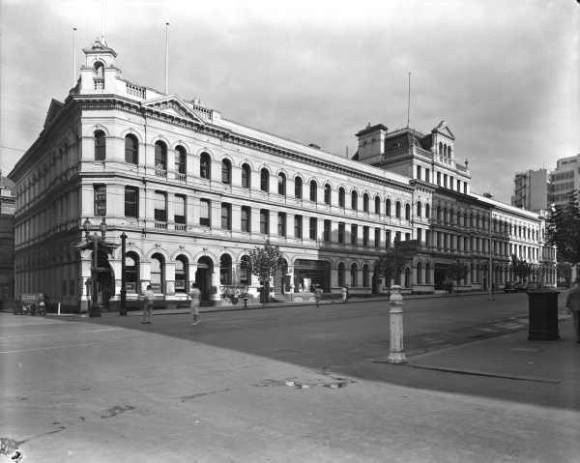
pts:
[265, 261]
[456, 271]
[563, 229]
[390, 264]
[521, 268]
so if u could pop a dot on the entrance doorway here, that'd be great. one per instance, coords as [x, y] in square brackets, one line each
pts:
[203, 277]
[309, 273]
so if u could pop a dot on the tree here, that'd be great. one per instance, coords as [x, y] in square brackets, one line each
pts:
[391, 263]
[265, 261]
[456, 272]
[563, 229]
[521, 268]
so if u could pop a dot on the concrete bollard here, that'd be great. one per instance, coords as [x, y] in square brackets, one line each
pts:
[397, 354]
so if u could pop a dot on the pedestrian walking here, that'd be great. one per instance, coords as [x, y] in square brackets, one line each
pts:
[344, 294]
[41, 306]
[317, 295]
[148, 298]
[573, 305]
[194, 303]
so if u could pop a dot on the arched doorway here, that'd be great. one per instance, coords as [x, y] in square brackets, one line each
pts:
[181, 274]
[203, 278]
[225, 270]
[158, 273]
[105, 279]
[132, 272]
[281, 278]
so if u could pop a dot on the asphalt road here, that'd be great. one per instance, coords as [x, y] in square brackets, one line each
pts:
[286, 384]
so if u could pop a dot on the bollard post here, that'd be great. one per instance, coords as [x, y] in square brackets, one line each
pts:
[58, 313]
[397, 354]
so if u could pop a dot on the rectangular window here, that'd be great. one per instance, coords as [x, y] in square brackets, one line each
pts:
[298, 226]
[179, 212]
[427, 175]
[407, 236]
[131, 202]
[418, 172]
[397, 237]
[160, 206]
[365, 236]
[388, 239]
[265, 221]
[327, 231]
[246, 219]
[377, 238]
[205, 213]
[341, 232]
[100, 200]
[226, 216]
[282, 223]
[353, 234]
[439, 178]
[419, 235]
[313, 228]
[445, 180]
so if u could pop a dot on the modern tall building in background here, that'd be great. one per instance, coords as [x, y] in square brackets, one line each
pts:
[195, 192]
[7, 206]
[564, 179]
[531, 190]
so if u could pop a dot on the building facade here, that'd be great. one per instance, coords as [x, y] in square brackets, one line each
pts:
[531, 190]
[7, 204]
[564, 179]
[194, 192]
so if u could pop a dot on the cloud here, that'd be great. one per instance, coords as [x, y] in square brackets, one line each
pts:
[504, 76]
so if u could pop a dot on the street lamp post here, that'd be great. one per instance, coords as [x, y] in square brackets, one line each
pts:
[123, 309]
[94, 309]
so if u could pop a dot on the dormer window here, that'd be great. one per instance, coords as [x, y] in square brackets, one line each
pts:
[99, 70]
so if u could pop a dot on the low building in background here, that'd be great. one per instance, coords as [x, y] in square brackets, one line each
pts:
[194, 192]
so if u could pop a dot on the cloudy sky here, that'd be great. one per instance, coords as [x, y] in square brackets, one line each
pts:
[503, 74]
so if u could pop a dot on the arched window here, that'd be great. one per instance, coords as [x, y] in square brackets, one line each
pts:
[181, 279]
[377, 205]
[131, 149]
[354, 200]
[246, 176]
[225, 269]
[398, 209]
[428, 273]
[441, 151]
[282, 184]
[205, 166]
[365, 203]
[99, 70]
[160, 157]
[407, 277]
[341, 275]
[264, 180]
[132, 272]
[180, 160]
[458, 217]
[419, 209]
[427, 211]
[407, 212]
[298, 188]
[439, 213]
[226, 172]
[100, 145]
[353, 275]
[365, 275]
[419, 273]
[388, 207]
[245, 274]
[341, 197]
[313, 191]
[158, 273]
[327, 194]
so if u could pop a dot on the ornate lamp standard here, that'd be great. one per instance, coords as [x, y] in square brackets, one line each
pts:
[94, 308]
[123, 309]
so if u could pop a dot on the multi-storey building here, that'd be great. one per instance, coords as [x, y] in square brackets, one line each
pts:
[531, 190]
[194, 192]
[564, 179]
[7, 202]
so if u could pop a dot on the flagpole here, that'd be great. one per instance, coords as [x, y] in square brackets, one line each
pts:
[74, 55]
[409, 102]
[166, 58]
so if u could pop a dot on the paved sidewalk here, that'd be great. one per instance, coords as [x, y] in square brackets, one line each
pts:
[512, 356]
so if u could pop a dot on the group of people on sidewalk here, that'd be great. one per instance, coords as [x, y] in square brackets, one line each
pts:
[194, 303]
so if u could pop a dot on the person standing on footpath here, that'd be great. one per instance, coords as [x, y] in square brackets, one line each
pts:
[317, 296]
[344, 294]
[195, 301]
[573, 305]
[148, 297]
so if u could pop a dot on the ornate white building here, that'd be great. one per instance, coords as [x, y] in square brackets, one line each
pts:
[194, 192]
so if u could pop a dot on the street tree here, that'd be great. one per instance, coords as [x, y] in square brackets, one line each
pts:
[390, 264]
[563, 229]
[456, 272]
[265, 261]
[520, 268]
